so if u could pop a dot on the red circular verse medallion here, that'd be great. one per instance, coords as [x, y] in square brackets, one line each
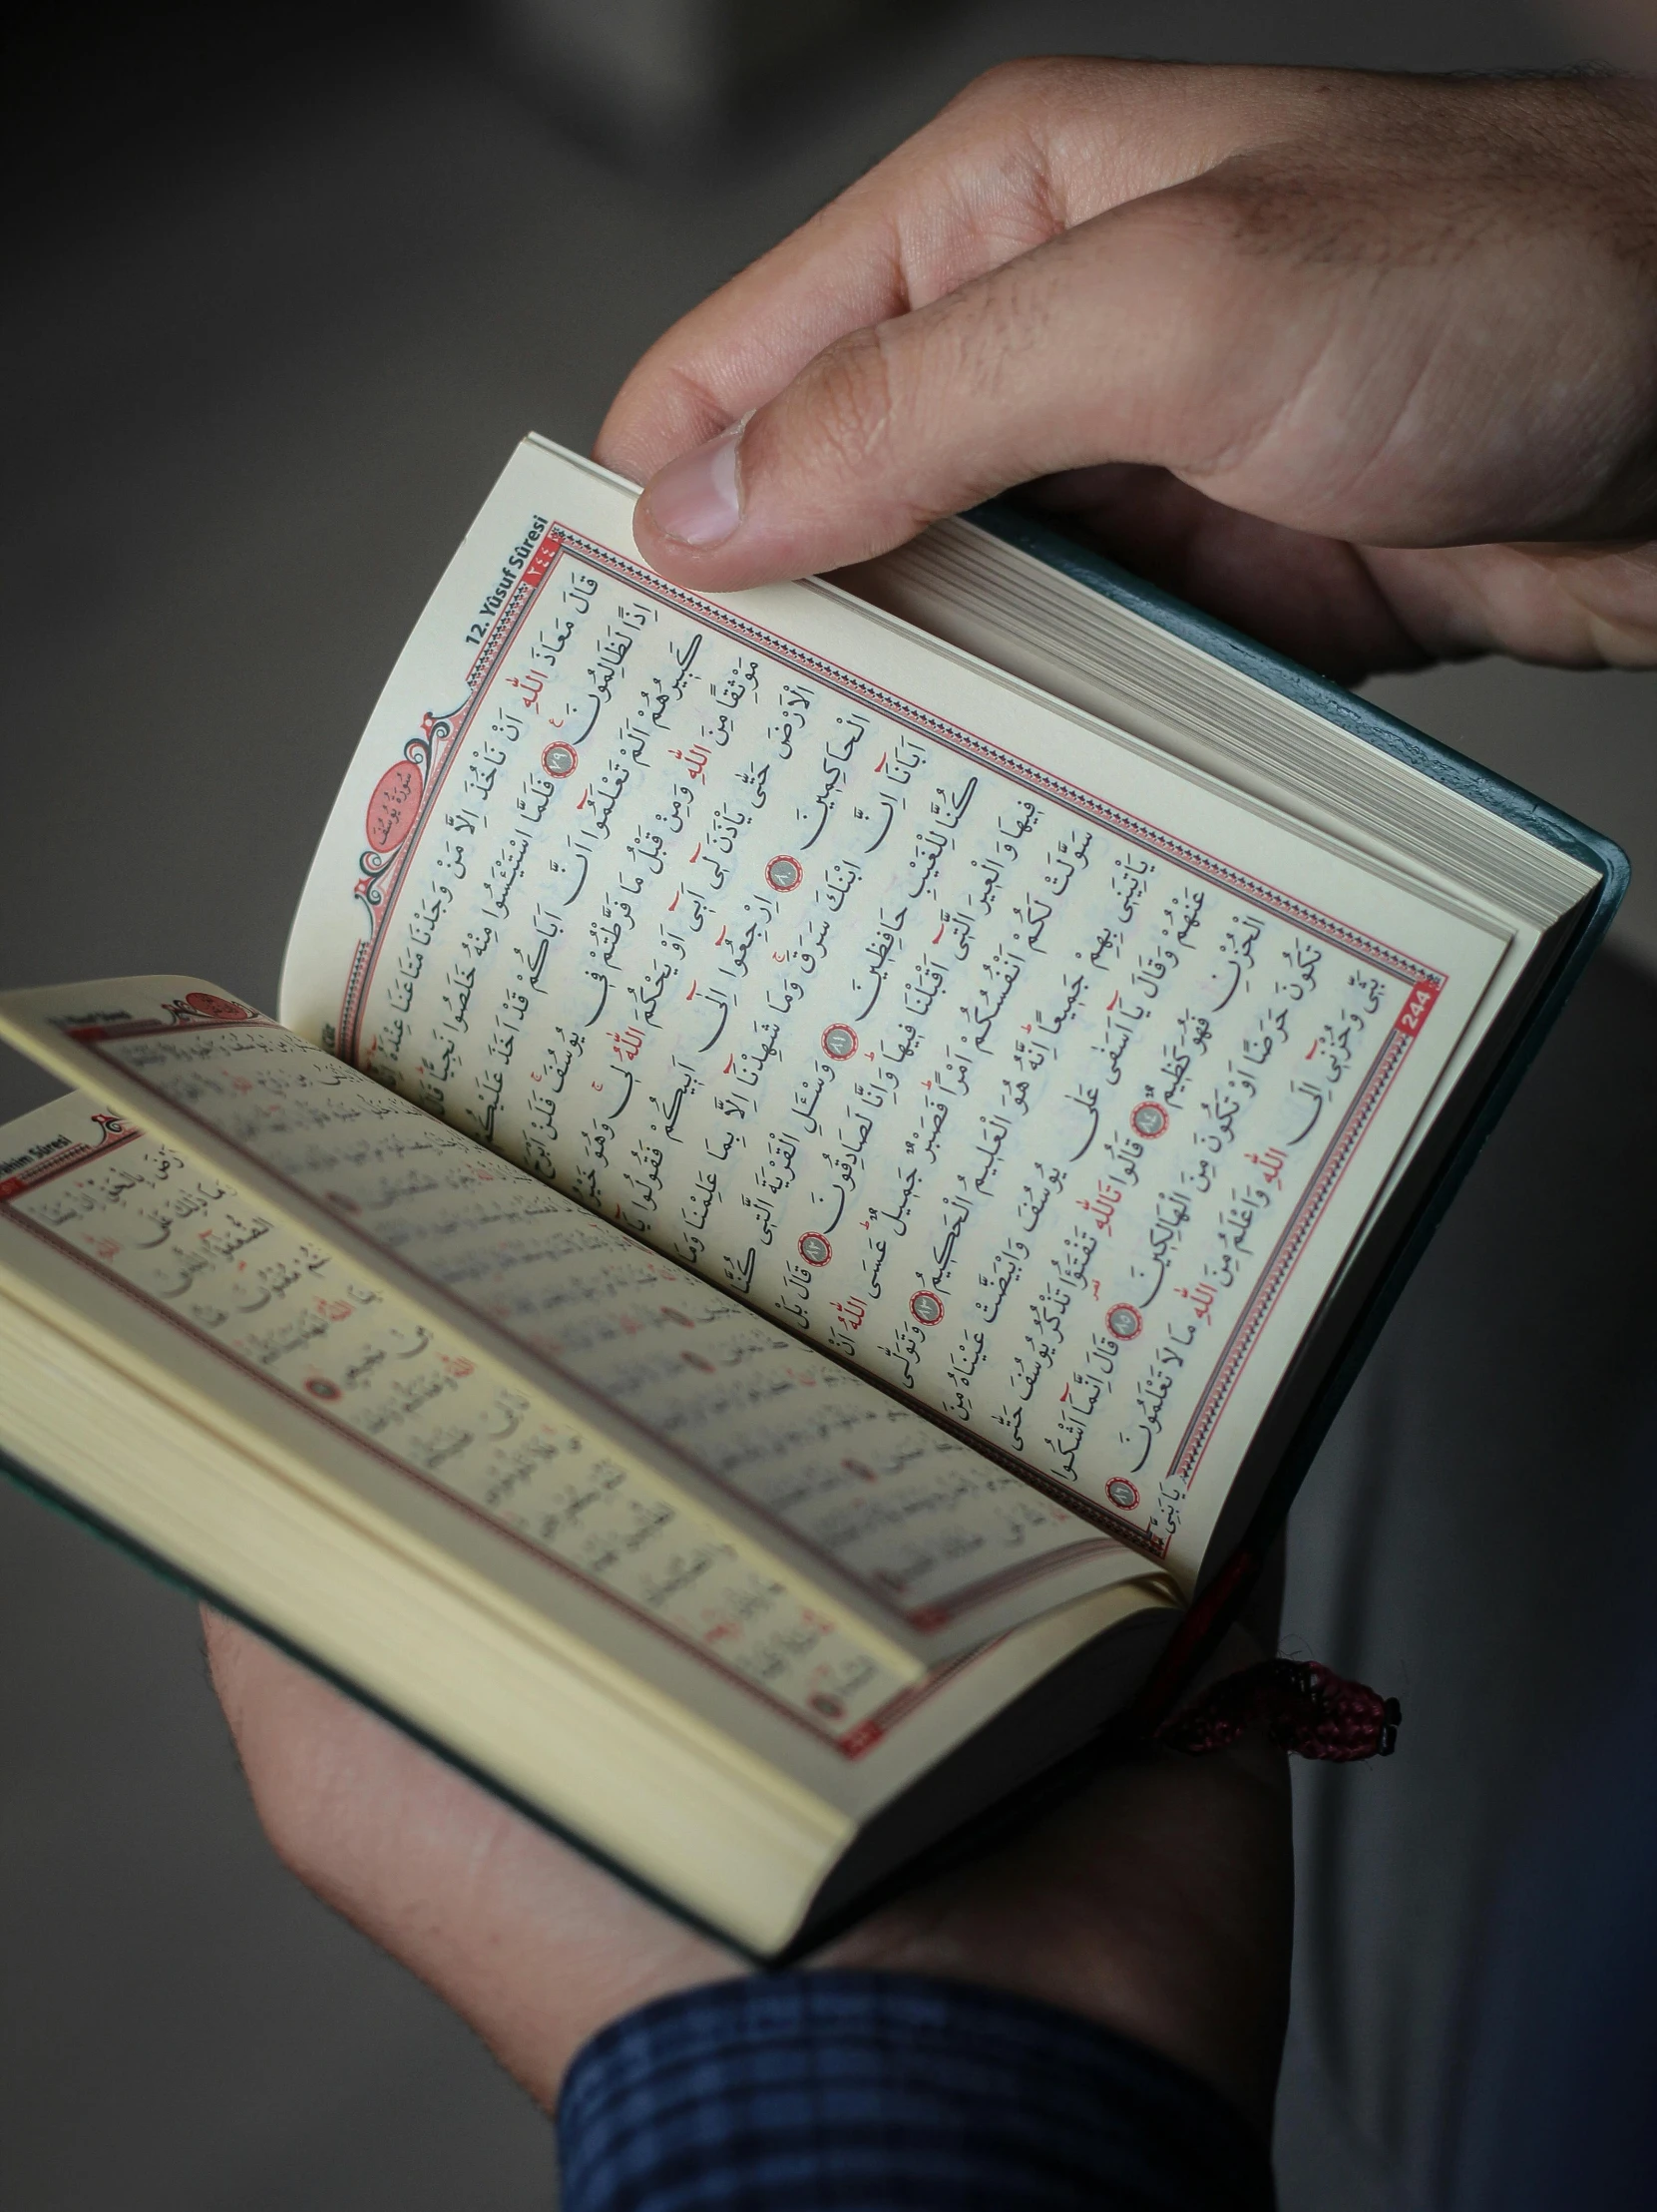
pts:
[211, 1008]
[784, 873]
[1121, 1493]
[815, 1250]
[558, 760]
[840, 1041]
[927, 1307]
[392, 806]
[1125, 1322]
[1148, 1119]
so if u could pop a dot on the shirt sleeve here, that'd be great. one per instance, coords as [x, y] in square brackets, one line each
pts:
[825, 2093]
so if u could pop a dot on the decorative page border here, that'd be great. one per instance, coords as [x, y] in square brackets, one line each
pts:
[112, 1133]
[392, 845]
[403, 800]
[1248, 1328]
[402, 804]
[927, 1619]
[873, 1729]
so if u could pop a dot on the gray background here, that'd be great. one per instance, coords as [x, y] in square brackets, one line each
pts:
[287, 291]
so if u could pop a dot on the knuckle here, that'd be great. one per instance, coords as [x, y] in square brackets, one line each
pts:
[1208, 238]
[851, 401]
[1034, 82]
[1020, 78]
[1236, 207]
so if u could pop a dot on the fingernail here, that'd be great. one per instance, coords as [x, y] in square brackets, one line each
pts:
[695, 499]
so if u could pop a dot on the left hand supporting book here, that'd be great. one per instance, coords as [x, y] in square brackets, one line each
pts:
[531, 1559]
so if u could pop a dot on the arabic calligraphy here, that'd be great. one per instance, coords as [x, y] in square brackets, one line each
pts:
[287, 1310]
[920, 1519]
[958, 1076]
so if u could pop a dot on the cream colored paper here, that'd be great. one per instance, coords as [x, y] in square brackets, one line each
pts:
[849, 1494]
[206, 1304]
[1010, 1063]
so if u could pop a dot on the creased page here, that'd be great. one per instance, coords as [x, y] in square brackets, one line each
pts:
[937, 1543]
[1016, 1069]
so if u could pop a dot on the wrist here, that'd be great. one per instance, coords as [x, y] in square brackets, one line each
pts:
[1157, 1904]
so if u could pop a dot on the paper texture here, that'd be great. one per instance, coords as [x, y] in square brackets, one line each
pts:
[1028, 1077]
[366, 1411]
[937, 1547]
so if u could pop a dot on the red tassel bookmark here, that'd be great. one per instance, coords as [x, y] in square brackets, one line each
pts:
[1297, 1703]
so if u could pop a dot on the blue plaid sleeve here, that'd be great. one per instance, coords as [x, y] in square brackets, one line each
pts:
[825, 2093]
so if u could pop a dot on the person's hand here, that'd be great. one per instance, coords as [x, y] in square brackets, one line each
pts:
[1158, 1903]
[1366, 365]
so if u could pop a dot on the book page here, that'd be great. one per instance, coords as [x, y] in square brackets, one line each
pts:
[287, 1310]
[362, 1409]
[937, 1544]
[1165, 693]
[1010, 1065]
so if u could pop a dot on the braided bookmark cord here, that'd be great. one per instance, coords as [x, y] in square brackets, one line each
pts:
[1297, 1703]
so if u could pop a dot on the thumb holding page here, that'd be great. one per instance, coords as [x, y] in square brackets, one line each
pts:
[1114, 341]
[1312, 391]
[1325, 323]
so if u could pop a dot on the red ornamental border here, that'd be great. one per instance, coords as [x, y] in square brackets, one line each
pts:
[1426, 982]
[444, 736]
[852, 1745]
[559, 538]
[1285, 1255]
[52, 1165]
[925, 1617]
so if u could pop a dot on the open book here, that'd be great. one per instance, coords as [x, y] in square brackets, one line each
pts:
[823, 1162]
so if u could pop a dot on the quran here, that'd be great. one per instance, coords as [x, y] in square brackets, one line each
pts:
[825, 1159]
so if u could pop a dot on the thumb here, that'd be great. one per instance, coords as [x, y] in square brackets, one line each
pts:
[1367, 387]
[1117, 340]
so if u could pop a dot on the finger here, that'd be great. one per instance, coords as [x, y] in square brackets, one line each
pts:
[1305, 329]
[1311, 597]
[1353, 611]
[534, 1946]
[1138, 335]
[1270, 333]
[1576, 607]
[1025, 153]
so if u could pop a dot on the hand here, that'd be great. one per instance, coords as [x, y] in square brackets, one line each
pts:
[1366, 365]
[1158, 1902]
